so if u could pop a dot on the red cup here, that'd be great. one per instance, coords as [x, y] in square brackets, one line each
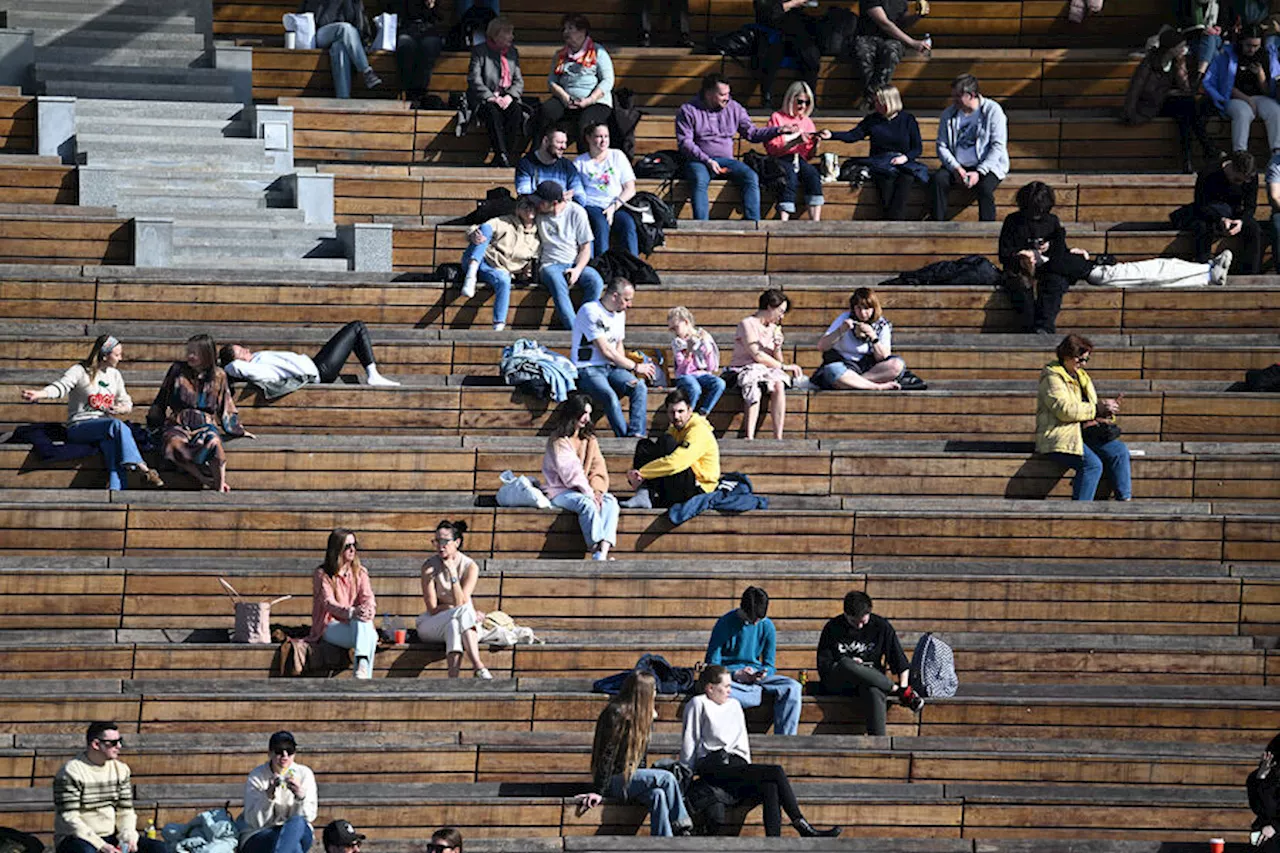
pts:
[401, 634]
[1217, 845]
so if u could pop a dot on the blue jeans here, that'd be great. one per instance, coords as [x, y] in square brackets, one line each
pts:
[598, 523]
[115, 440]
[293, 836]
[603, 383]
[499, 280]
[552, 276]
[699, 178]
[704, 388]
[659, 790]
[624, 228]
[786, 700]
[345, 52]
[361, 636]
[806, 175]
[1112, 457]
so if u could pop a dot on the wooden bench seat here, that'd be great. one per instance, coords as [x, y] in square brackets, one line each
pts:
[73, 236]
[17, 121]
[179, 595]
[29, 179]
[469, 466]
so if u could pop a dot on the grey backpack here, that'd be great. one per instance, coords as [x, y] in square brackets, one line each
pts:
[933, 668]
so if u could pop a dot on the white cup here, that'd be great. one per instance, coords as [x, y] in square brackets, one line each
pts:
[290, 40]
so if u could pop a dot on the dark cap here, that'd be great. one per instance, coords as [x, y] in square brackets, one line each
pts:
[550, 191]
[341, 833]
[1169, 39]
[280, 739]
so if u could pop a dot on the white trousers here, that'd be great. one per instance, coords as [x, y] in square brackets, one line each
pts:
[447, 626]
[1165, 272]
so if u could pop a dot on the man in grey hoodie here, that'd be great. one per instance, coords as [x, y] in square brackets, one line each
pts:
[973, 145]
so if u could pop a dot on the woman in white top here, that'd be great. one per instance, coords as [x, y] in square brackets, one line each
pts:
[608, 182]
[856, 349]
[448, 580]
[715, 747]
[95, 394]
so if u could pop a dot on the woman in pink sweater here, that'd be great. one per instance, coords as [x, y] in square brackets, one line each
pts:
[575, 475]
[342, 602]
[795, 149]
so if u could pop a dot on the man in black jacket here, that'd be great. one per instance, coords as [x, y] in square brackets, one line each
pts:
[1224, 206]
[853, 651]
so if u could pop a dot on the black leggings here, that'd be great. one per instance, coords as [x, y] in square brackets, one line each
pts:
[894, 191]
[765, 782]
[334, 354]
[504, 126]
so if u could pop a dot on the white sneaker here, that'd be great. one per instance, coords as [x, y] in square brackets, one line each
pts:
[483, 674]
[1219, 267]
[498, 327]
[379, 379]
[469, 286]
[363, 670]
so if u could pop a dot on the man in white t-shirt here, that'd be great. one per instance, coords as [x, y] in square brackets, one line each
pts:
[604, 370]
[565, 235]
[280, 372]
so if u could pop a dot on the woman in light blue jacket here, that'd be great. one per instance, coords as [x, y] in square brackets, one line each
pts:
[580, 82]
[973, 145]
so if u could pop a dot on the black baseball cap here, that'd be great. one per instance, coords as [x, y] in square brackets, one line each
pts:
[341, 833]
[280, 739]
[550, 191]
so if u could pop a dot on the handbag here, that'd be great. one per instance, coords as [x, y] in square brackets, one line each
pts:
[304, 28]
[253, 618]
[1097, 433]
[385, 35]
[520, 491]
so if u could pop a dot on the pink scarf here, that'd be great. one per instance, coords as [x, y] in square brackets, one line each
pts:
[505, 81]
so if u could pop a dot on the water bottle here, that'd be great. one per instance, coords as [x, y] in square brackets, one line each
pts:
[928, 43]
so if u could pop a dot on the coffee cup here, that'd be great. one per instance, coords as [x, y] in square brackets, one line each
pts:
[290, 40]
[1217, 845]
[401, 634]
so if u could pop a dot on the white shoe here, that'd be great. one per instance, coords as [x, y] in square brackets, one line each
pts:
[483, 674]
[1219, 267]
[498, 327]
[363, 670]
[379, 379]
[469, 286]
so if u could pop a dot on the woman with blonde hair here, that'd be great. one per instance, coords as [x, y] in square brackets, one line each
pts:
[95, 395]
[795, 149]
[342, 602]
[857, 349]
[618, 759]
[697, 360]
[895, 150]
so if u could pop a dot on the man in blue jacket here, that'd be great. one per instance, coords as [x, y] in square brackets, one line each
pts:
[1241, 84]
[745, 642]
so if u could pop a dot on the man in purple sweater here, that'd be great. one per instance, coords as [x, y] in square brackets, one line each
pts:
[705, 128]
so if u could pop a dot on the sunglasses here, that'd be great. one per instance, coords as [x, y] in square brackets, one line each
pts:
[1082, 359]
[438, 848]
[440, 541]
[110, 742]
[352, 545]
[802, 101]
[284, 750]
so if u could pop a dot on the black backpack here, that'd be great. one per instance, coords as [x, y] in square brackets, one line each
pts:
[661, 212]
[496, 202]
[663, 165]
[474, 20]
[618, 263]
[770, 169]
[740, 42]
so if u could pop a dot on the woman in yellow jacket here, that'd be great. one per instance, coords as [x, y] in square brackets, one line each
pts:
[1065, 404]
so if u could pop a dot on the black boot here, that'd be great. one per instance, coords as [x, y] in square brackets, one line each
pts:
[806, 830]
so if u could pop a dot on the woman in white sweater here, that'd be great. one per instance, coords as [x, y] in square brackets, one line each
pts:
[95, 394]
[715, 746]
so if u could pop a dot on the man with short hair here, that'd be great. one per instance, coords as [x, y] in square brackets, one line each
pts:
[548, 163]
[341, 837]
[852, 653]
[745, 642]
[1226, 199]
[680, 464]
[564, 233]
[446, 839]
[93, 799]
[605, 371]
[705, 129]
[279, 802]
[973, 145]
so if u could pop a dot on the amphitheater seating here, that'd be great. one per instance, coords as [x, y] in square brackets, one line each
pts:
[17, 121]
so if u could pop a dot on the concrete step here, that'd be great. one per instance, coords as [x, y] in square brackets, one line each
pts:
[210, 183]
[262, 225]
[230, 149]
[157, 203]
[210, 130]
[124, 55]
[105, 7]
[104, 40]
[117, 109]
[133, 74]
[140, 91]
[252, 263]
[64, 22]
[280, 249]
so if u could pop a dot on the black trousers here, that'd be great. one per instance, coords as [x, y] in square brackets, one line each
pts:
[1248, 258]
[796, 42]
[665, 491]
[552, 112]
[416, 55]
[847, 678]
[1190, 119]
[895, 191]
[353, 337]
[679, 14]
[503, 126]
[1038, 312]
[765, 782]
[941, 183]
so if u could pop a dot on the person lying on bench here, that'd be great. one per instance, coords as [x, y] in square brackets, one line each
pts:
[279, 372]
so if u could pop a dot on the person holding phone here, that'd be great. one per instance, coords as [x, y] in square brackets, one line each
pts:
[1039, 267]
[1264, 798]
[279, 801]
[745, 642]
[93, 799]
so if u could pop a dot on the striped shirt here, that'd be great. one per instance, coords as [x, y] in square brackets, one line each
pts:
[94, 802]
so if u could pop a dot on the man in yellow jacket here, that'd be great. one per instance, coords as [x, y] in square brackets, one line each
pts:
[682, 463]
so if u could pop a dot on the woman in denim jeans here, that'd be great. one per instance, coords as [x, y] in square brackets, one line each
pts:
[338, 25]
[697, 361]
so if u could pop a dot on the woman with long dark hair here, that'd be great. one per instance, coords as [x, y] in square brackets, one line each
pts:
[575, 475]
[448, 581]
[757, 363]
[715, 746]
[95, 395]
[342, 602]
[193, 402]
[618, 759]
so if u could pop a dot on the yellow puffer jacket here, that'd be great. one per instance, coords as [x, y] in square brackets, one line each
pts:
[1063, 403]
